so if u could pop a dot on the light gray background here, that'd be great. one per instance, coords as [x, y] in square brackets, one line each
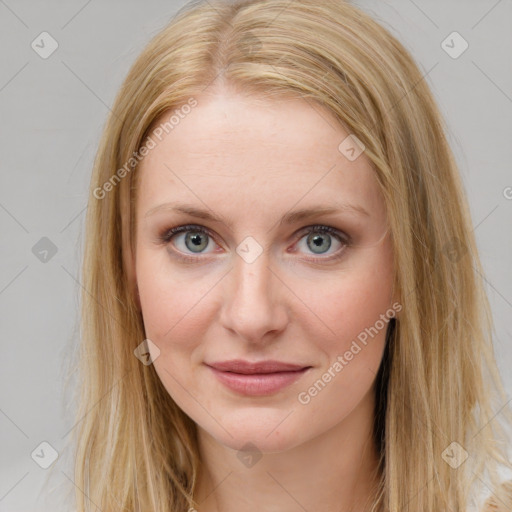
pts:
[52, 112]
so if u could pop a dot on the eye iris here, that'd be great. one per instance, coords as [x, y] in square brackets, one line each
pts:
[317, 242]
[195, 238]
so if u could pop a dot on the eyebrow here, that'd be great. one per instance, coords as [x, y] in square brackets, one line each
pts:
[288, 218]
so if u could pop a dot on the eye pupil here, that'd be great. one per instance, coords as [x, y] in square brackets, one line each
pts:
[195, 238]
[317, 240]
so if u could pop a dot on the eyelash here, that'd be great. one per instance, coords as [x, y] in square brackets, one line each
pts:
[168, 234]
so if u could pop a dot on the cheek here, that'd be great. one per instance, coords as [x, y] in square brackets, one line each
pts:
[171, 311]
[170, 300]
[347, 305]
[358, 308]
[359, 313]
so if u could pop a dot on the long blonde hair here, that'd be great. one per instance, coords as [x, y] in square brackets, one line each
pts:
[438, 388]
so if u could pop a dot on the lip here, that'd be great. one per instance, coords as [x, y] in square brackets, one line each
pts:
[258, 378]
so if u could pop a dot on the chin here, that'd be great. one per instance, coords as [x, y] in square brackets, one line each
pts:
[268, 432]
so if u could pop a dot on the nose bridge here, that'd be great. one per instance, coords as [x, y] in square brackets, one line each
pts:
[252, 307]
[253, 282]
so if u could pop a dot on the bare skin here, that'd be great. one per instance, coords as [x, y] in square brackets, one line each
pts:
[251, 162]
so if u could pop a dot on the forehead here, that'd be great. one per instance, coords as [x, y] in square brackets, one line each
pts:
[247, 126]
[232, 147]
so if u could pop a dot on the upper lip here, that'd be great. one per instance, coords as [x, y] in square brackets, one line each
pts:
[246, 367]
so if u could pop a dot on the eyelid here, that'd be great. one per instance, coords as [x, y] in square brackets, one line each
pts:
[344, 239]
[169, 233]
[166, 236]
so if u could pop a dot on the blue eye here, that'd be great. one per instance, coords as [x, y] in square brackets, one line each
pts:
[319, 238]
[197, 239]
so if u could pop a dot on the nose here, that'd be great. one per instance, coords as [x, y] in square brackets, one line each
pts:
[255, 302]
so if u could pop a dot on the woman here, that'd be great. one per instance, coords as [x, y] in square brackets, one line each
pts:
[240, 351]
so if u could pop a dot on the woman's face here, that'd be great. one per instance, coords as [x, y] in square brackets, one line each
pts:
[262, 283]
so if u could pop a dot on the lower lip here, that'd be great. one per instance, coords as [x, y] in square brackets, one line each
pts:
[258, 384]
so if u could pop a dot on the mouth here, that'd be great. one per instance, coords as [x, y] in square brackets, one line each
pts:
[257, 379]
